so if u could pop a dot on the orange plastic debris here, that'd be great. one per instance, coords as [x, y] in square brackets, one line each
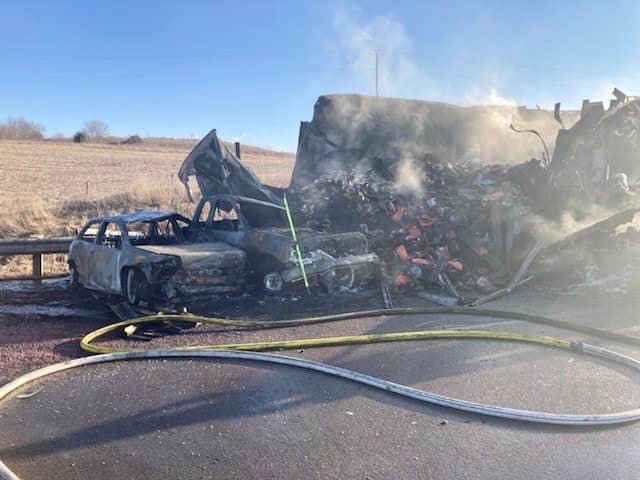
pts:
[403, 280]
[401, 251]
[398, 214]
[420, 261]
[455, 264]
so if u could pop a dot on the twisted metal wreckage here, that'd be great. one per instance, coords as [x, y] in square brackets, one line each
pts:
[443, 217]
[406, 191]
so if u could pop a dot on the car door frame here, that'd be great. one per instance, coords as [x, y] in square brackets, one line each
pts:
[105, 260]
[82, 250]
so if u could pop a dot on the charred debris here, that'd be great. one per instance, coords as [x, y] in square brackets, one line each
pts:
[458, 204]
[445, 218]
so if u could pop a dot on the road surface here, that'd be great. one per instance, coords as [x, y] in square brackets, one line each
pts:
[227, 419]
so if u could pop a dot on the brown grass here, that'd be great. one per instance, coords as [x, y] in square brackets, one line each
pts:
[43, 186]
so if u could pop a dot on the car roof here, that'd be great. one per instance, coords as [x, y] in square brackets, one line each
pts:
[142, 216]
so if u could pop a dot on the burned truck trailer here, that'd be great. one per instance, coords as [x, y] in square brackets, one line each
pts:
[451, 197]
[597, 161]
[355, 133]
[431, 185]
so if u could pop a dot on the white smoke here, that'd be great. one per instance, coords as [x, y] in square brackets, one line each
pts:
[489, 96]
[240, 138]
[399, 74]
[476, 134]
[409, 177]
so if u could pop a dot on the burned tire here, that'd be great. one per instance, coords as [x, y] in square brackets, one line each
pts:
[273, 282]
[134, 286]
[344, 277]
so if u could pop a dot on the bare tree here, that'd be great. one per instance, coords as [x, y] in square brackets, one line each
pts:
[21, 128]
[96, 129]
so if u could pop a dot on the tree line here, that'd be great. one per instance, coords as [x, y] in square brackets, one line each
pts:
[19, 128]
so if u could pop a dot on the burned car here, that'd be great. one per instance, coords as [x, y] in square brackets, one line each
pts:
[239, 210]
[147, 256]
[260, 229]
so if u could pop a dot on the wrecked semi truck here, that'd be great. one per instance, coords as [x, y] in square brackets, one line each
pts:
[450, 197]
[237, 209]
[597, 160]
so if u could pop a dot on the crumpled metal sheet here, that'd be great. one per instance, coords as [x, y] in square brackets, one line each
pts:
[601, 144]
[218, 170]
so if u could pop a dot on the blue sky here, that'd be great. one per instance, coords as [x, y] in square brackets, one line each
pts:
[253, 69]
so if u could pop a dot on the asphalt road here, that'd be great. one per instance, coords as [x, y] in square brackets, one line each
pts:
[223, 419]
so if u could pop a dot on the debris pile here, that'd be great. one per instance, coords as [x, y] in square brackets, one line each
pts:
[454, 198]
[449, 218]
[455, 230]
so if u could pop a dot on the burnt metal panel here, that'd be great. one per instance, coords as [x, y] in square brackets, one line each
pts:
[218, 170]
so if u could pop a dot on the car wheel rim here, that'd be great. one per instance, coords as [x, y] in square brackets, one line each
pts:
[273, 282]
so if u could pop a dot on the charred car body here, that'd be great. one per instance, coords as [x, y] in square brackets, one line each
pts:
[239, 210]
[147, 256]
[260, 229]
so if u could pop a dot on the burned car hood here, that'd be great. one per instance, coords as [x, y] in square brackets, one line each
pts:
[218, 170]
[208, 255]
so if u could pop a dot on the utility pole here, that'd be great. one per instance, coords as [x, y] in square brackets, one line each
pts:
[377, 69]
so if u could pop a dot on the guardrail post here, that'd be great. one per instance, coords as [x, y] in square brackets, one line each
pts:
[37, 266]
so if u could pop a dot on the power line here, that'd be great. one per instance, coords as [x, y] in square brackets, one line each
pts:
[377, 69]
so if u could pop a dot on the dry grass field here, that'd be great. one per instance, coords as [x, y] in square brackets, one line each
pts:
[51, 187]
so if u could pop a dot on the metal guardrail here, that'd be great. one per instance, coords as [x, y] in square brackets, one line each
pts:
[27, 246]
[36, 247]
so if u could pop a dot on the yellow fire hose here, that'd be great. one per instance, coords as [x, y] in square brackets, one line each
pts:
[239, 350]
[251, 352]
[86, 343]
